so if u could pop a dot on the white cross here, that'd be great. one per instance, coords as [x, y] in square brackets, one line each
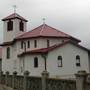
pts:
[43, 20]
[14, 6]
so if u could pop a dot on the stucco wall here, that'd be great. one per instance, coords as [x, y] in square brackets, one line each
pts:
[41, 43]
[29, 64]
[11, 64]
[10, 35]
[68, 53]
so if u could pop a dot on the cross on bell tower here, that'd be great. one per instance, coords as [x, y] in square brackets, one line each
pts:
[14, 25]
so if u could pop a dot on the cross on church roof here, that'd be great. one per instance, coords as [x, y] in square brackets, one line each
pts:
[14, 6]
[43, 20]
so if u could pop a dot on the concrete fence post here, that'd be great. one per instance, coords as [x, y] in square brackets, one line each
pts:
[45, 75]
[1, 73]
[81, 77]
[13, 79]
[25, 85]
[6, 78]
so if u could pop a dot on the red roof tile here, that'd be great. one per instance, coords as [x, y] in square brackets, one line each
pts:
[44, 31]
[14, 15]
[46, 50]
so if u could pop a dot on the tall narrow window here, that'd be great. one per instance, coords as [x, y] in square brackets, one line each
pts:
[48, 43]
[21, 26]
[59, 61]
[35, 43]
[28, 44]
[8, 52]
[35, 62]
[22, 45]
[10, 25]
[78, 61]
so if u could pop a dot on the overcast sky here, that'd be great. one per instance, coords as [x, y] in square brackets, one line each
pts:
[69, 16]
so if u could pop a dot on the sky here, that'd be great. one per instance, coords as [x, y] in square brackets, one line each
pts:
[69, 16]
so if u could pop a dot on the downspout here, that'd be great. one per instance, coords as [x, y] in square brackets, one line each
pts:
[24, 56]
[44, 56]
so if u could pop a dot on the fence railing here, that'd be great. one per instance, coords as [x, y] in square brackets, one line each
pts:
[27, 82]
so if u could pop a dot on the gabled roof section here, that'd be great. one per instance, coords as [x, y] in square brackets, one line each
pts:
[46, 50]
[13, 16]
[45, 31]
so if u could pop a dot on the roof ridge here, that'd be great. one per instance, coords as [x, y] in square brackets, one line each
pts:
[42, 29]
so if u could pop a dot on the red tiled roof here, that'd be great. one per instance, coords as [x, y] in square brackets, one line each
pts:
[45, 31]
[14, 15]
[46, 50]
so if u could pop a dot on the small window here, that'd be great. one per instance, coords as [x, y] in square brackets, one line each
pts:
[35, 62]
[48, 43]
[59, 61]
[35, 43]
[28, 44]
[21, 44]
[78, 61]
[8, 53]
[21, 26]
[10, 25]
[62, 41]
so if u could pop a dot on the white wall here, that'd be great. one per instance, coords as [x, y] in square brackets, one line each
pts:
[41, 43]
[68, 52]
[7, 64]
[29, 65]
[10, 35]
[11, 64]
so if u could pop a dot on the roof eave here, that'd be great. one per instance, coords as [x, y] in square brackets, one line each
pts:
[15, 18]
[40, 36]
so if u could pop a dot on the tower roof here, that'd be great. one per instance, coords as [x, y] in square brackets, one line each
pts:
[13, 16]
[45, 31]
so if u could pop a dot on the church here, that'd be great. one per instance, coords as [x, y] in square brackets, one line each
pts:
[40, 49]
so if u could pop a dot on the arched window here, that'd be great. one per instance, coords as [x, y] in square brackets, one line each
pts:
[59, 61]
[35, 62]
[8, 52]
[21, 26]
[78, 60]
[10, 25]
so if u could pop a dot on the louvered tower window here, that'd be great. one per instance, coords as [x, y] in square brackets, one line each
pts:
[21, 26]
[9, 25]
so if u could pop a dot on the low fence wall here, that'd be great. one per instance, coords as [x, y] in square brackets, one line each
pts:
[27, 82]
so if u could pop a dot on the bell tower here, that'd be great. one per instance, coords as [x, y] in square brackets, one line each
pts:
[14, 25]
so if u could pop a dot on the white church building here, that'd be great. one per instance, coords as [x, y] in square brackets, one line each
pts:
[43, 48]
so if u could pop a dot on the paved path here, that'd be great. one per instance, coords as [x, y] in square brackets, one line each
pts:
[2, 87]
